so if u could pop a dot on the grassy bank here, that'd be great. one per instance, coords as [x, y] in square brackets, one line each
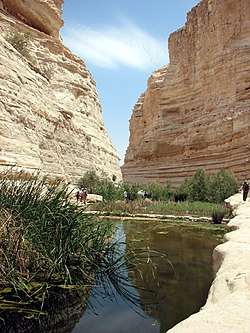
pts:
[196, 209]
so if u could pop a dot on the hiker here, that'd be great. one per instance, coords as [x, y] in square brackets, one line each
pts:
[81, 194]
[125, 194]
[245, 189]
[85, 194]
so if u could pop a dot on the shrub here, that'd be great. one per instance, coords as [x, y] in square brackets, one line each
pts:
[20, 42]
[222, 186]
[218, 215]
[101, 186]
[197, 187]
[90, 180]
[158, 191]
[180, 195]
[216, 188]
[132, 191]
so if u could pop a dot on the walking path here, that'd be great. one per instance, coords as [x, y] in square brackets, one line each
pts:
[227, 308]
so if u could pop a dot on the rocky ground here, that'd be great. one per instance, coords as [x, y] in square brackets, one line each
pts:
[228, 304]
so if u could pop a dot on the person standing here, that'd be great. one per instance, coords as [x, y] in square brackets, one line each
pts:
[245, 189]
[85, 194]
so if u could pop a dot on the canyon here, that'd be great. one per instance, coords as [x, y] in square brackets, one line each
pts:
[195, 111]
[51, 119]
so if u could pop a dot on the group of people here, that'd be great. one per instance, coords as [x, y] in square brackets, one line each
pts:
[131, 196]
[82, 195]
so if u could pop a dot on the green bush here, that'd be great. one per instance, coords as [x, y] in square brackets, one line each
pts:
[180, 195]
[132, 191]
[211, 188]
[222, 186]
[158, 191]
[218, 215]
[20, 42]
[197, 187]
[101, 186]
[90, 180]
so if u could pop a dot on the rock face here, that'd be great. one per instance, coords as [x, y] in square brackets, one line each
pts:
[51, 117]
[195, 111]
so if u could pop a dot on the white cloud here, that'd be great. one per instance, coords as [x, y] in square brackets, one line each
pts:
[113, 47]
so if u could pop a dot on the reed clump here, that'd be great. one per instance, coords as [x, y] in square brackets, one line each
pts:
[46, 240]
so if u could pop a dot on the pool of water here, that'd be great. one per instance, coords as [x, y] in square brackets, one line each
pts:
[170, 282]
[171, 285]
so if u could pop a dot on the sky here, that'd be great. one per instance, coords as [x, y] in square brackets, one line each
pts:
[122, 42]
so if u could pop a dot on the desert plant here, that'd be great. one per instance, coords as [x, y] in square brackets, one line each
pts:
[102, 186]
[197, 186]
[218, 214]
[158, 191]
[222, 186]
[20, 42]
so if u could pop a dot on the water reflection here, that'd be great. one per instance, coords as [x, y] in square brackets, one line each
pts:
[64, 308]
[180, 291]
[115, 314]
[177, 290]
[166, 293]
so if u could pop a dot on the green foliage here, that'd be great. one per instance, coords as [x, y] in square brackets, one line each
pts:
[222, 186]
[107, 189]
[90, 180]
[197, 186]
[20, 42]
[46, 238]
[97, 185]
[158, 191]
[212, 188]
[200, 187]
[180, 195]
[218, 214]
[132, 190]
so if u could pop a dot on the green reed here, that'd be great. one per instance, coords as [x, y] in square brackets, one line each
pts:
[45, 239]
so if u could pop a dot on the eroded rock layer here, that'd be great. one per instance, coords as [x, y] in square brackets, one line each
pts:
[195, 112]
[51, 117]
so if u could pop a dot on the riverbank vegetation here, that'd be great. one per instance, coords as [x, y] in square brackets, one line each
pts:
[200, 187]
[200, 195]
[46, 241]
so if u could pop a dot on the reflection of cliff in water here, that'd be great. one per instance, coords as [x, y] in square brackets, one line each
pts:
[64, 308]
[180, 290]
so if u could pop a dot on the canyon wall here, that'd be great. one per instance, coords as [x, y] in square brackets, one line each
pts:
[51, 118]
[195, 112]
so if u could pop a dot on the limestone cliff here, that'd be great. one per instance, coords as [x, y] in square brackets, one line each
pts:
[51, 118]
[195, 112]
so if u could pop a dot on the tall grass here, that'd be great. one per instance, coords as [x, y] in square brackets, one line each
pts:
[46, 241]
[196, 208]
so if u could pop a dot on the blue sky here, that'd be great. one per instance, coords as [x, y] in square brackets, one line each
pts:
[121, 42]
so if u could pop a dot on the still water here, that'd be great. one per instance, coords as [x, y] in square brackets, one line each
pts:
[170, 289]
[171, 282]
